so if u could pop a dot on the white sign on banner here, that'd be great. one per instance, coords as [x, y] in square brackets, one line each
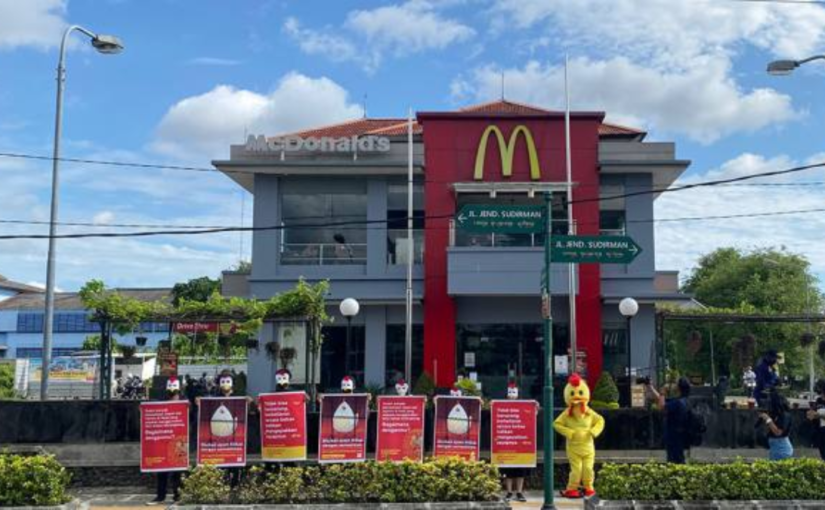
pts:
[469, 359]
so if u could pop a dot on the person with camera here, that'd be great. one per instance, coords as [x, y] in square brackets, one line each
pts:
[778, 422]
[817, 415]
[767, 378]
[677, 418]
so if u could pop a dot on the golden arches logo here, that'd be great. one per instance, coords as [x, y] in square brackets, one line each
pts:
[506, 150]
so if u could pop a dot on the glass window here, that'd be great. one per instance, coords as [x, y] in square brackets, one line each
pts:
[396, 353]
[612, 189]
[397, 223]
[324, 223]
[614, 350]
[612, 222]
[333, 351]
[37, 352]
[30, 322]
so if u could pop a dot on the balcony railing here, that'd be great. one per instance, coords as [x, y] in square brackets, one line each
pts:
[323, 254]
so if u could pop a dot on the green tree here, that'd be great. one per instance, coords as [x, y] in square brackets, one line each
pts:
[197, 289]
[762, 281]
[92, 343]
[7, 381]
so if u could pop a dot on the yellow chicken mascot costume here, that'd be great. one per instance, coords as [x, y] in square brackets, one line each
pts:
[581, 426]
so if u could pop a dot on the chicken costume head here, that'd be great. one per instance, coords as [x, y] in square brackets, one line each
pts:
[576, 394]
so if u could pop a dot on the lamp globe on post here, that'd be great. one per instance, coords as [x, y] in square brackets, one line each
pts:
[629, 307]
[349, 308]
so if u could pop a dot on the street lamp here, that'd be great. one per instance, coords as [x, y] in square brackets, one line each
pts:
[349, 309]
[786, 67]
[628, 307]
[108, 45]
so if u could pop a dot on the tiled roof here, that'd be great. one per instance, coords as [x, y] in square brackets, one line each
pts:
[71, 300]
[5, 283]
[398, 127]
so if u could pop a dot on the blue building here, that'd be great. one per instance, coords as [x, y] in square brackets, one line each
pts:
[21, 323]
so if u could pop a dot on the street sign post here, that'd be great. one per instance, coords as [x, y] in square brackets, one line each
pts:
[594, 249]
[502, 219]
[547, 316]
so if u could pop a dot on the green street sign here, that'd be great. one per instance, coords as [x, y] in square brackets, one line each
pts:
[503, 219]
[594, 249]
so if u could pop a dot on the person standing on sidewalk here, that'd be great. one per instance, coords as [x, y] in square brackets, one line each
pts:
[778, 421]
[817, 415]
[676, 419]
[514, 476]
[164, 478]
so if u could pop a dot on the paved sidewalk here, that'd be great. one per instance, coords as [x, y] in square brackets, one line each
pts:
[103, 498]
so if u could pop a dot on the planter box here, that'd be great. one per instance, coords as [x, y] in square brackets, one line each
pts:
[595, 504]
[71, 505]
[452, 505]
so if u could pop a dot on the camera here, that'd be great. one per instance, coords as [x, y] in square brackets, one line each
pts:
[643, 380]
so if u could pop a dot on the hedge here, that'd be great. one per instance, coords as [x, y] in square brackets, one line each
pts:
[409, 482]
[761, 480]
[37, 480]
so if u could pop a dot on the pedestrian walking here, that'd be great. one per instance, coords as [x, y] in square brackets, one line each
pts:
[749, 380]
[817, 415]
[778, 421]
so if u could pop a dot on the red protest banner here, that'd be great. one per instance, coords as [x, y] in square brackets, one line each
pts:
[343, 428]
[283, 426]
[400, 428]
[457, 427]
[222, 431]
[513, 431]
[164, 436]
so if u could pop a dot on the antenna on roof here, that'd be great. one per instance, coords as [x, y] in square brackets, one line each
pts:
[365, 105]
[502, 85]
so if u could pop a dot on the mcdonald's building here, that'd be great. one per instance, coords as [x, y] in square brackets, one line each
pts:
[331, 203]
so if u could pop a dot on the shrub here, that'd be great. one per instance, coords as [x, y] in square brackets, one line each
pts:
[424, 385]
[205, 485]
[37, 480]
[606, 391]
[761, 480]
[436, 480]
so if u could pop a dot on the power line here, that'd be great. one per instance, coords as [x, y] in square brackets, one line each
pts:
[803, 2]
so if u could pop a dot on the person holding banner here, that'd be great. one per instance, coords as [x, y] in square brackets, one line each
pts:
[165, 477]
[514, 476]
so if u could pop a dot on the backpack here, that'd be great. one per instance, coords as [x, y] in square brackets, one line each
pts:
[696, 427]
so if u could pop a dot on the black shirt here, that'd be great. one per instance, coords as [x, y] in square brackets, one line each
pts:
[783, 423]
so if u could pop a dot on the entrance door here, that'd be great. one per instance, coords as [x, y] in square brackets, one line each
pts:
[497, 353]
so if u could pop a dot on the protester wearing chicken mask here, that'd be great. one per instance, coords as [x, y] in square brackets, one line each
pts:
[173, 391]
[402, 388]
[514, 477]
[283, 379]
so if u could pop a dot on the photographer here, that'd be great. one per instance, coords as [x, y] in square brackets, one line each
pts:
[817, 415]
[778, 421]
[676, 419]
[766, 377]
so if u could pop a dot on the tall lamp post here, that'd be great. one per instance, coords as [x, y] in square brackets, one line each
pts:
[628, 307]
[786, 67]
[349, 309]
[108, 45]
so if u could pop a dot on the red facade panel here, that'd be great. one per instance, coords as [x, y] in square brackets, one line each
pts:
[450, 145]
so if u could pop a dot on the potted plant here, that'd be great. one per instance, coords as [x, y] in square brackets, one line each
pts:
[252, 343]
[287, 356]
[140, 341]
[272, 350]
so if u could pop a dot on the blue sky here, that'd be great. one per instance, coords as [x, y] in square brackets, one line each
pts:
[196, 75]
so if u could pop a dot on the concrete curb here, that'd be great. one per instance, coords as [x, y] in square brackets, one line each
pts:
[595, 504]
[452, 505]
[71, 505]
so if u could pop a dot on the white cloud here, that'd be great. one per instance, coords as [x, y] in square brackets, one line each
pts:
[680, 244]
[103, 217]
[409, 27]
[671, 32]
[367, 35]
[314, 42]
[703, 101]
[37, 23]
[203, 126]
